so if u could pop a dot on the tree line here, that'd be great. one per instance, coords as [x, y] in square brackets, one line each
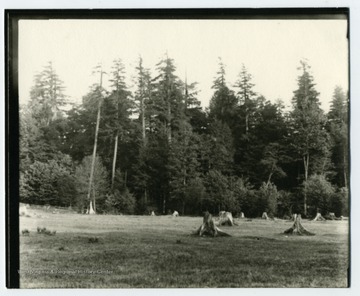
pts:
[156, 148]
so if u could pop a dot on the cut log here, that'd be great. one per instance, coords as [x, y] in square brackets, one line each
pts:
[297, 228]
[175, 214]
[225, 218]
[209, 228]
[265, 216]
[318, 217]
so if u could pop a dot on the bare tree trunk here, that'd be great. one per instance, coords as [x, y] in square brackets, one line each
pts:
[94, 199]
[145, 197]
[168, 128]
[142, 107]
[164, 205]
[114, 161]
[95, 141]
[269, 179]
[246, 123]
[306, 168]
[169, 113]
[94, 152]
[91, 210]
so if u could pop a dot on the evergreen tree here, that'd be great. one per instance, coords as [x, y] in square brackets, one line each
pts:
[217, 150]
[143, 95]
[183, 165]
[309, 137]
[246, 95]
[167, 100]
[223, 103]
[47, 96]
[118, 111]
[338, 127]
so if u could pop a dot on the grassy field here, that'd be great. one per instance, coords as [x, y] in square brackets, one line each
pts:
[158, 252]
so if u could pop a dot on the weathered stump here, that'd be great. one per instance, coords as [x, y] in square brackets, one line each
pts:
[90, 210]
[265, 216]
[242, 215]
[23, 210]
[297, 228]
[175, 214]
[225, 218]
[152, 213]
[319, 217]
[209, 228]
[331, 216]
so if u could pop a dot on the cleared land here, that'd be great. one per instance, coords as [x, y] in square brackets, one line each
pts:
[152, 252]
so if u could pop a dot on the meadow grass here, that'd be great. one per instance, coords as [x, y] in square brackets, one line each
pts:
[105, 251]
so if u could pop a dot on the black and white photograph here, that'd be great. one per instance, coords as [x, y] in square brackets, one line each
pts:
[187, 148]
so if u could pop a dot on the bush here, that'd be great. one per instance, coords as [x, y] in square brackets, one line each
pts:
[319, 194]
[340, 203]
[243, 195]
[99, 186]
[284, 204]
[121, 202]
[48, 182]
[219, 196]
[194, 194]
[267, 199]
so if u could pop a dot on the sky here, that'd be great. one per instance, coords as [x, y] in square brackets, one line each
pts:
[271, 50]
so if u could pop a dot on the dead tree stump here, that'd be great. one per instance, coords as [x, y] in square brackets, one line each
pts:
[331, 216]
[297, 228]
[242, 215]
[265, 216]
[318, 217]
[225, 218]
[209, 228]
[175, 214]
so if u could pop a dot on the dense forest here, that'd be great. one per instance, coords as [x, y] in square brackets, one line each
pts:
[154, 148]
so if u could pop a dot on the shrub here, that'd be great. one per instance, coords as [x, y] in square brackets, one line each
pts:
[121, 202]
[99, 185]
[319, 194]
[284, 204]
[267, 199]
[48, 182]
[340, 202]
[219, 197]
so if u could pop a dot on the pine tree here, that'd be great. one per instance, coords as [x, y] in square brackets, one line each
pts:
[310, 139]
[223, 103]
[47, 96]
[167, 95]
[183, 164]
[339, 129]
[246, 95]
[143, 95]
[119, 100]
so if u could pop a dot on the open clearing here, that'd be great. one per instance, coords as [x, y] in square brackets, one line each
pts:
[105, 251]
